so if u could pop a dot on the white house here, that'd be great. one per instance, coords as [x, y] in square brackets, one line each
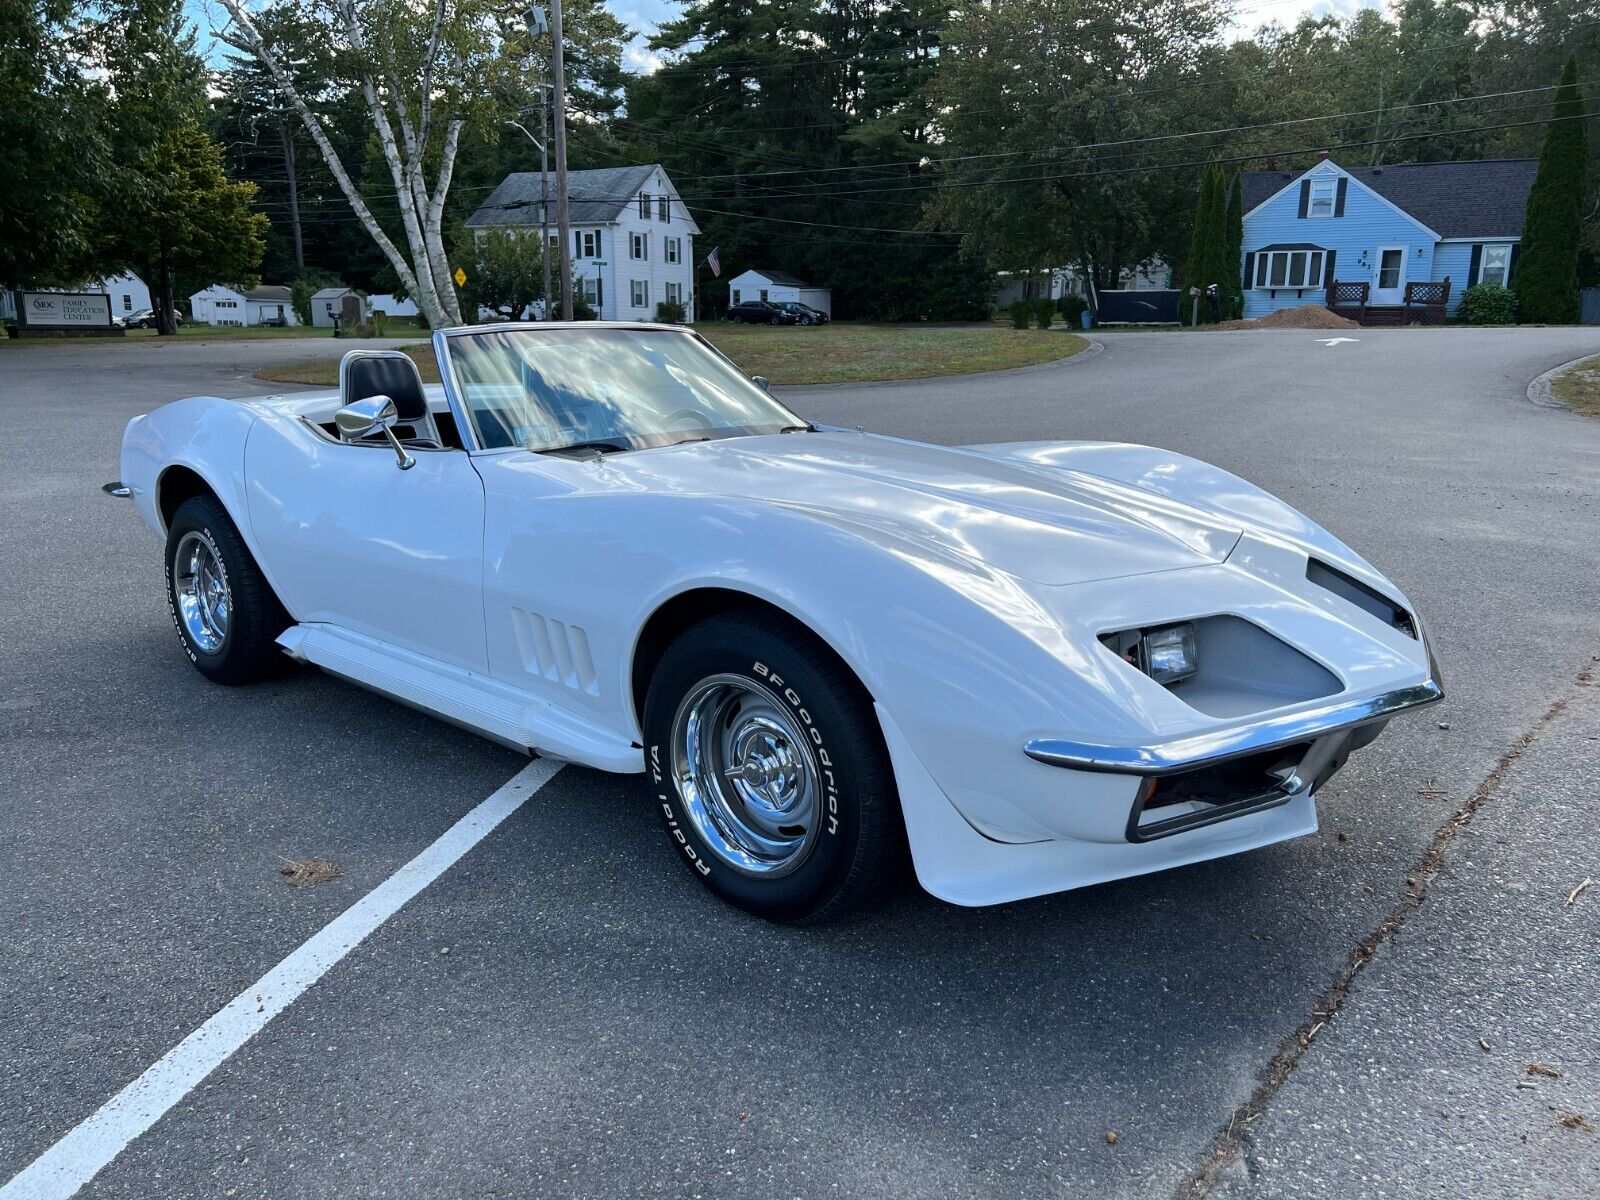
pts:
[391, 305]
[222, 305]
[329, 303]
[778, 287]
[127, 291]
[632, 238]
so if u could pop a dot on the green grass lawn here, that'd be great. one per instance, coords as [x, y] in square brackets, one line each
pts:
[1579, 388]
[839, 353]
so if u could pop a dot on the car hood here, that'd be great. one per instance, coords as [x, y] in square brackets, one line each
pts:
[1043, 524]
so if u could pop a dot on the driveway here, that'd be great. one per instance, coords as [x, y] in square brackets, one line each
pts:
[564, 1012]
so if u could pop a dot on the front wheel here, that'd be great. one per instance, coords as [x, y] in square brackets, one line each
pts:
[770, 771]
[226, 614]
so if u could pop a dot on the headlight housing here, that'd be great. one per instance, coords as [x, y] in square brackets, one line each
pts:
[1166, 653]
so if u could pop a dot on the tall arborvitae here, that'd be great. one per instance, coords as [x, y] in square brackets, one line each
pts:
[1234, 259]
[1205, 246]
[1546, 274]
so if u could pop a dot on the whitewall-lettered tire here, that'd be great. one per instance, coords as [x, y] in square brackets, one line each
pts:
[769, 769]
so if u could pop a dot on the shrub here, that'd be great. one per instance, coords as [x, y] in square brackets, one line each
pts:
[379, 323]
[669, 312]
[311, 282]
[581, 310]
[1072, 309]
[1044, 312]
[1021, 313]
[1487, 304]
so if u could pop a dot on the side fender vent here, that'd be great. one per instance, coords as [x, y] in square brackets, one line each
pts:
[555, 650]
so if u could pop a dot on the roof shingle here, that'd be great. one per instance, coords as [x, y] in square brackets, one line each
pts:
[595, 197]
[1486, 199]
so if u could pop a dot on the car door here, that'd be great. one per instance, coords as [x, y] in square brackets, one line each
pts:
[353, 541]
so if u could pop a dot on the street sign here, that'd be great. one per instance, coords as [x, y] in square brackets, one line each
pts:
[599, 262]
[460, 277]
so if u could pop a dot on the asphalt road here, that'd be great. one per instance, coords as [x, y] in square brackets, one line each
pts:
[566, 1013]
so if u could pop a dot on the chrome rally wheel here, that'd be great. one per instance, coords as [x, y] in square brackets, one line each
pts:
[768, 768]
[747, 775]
[200, 588]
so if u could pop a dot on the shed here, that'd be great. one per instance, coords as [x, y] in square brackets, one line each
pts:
[329, 303]
[778, 286]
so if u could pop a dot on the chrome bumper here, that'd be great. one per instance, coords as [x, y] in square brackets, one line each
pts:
[1204, 749]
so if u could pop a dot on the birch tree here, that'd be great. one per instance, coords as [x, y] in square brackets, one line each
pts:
[424, 69]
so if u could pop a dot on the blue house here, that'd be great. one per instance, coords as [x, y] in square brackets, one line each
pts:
[1383, 226]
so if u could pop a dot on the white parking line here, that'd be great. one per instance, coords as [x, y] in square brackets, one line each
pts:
[69, 1164]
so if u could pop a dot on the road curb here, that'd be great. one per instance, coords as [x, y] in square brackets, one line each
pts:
[1540, 392]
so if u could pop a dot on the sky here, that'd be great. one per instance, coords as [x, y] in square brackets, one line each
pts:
[644, 15]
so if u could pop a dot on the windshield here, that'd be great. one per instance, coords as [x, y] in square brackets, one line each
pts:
[549, 388]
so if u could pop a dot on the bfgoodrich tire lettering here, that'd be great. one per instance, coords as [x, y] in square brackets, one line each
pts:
[789, 810]
[239, 647]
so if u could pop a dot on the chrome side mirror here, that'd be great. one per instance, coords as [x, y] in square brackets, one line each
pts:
[761, 382]
[373, 415]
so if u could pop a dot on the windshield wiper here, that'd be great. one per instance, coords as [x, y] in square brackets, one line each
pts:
[798, 429]
[602, 446]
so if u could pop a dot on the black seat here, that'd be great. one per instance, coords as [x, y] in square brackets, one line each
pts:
[391, 373]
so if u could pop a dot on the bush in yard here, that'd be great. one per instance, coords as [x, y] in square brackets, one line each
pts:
[379, 323]
[310, 282]
[581, 310]
[1072, 310]
[1487, 304]
[1044, 312]
[669, 312]
[1021, 313]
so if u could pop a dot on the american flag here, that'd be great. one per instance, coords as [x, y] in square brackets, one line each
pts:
[714, 261]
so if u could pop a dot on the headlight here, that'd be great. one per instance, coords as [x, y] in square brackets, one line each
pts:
[1168, 654]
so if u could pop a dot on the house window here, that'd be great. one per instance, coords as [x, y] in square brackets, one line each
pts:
[763, 295]
[735, 295]
[639, 292]
[675, 293]
[644, 206]
[674, 249]
[1323, 193]
[663, 209]
[1494, 265]
[127, 302]
[1289, 269]
[594, 292]
[588, 243]
[639, 245]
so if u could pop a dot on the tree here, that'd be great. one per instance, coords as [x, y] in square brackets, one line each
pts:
[53, 146]
[192, 222]
[422, 73]
[1207, 247]
[504, 269]
[1546, 278]
[1233, 254]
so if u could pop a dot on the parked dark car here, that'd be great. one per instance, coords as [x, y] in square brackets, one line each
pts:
[759, 312]
[145, 318]
[803, 314]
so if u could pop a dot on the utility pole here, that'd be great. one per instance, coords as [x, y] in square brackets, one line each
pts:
[544, 192]
[563, 211]
[534, 19]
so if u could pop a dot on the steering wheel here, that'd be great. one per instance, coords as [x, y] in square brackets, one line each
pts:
[693, 415]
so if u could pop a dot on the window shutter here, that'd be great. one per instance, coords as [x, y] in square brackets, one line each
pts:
[1250, 269]
[1305, 197]
[1327, 268]
[1511, 263]
[1338, 203]
[1475, 266]
[599, 250]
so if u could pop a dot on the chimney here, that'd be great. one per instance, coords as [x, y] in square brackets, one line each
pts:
[1322, 156]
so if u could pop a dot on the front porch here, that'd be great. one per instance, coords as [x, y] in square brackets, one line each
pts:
[1425, 303]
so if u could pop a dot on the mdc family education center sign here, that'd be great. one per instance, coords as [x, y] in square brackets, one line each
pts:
[63, 314]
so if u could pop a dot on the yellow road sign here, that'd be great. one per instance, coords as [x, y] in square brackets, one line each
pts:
[461, 277]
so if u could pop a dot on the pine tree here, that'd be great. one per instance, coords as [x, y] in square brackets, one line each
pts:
[1234, 259]
[1546, 279]
[1204, 247]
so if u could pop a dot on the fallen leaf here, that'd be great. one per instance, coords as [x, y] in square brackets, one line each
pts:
[308, 872]
[1576, 1121]
[1534, 1068]
[1111, 1137]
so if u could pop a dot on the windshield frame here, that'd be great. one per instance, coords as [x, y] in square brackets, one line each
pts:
[455, 395]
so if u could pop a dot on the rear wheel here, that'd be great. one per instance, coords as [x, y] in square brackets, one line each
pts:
[770, 771]
[225, 612]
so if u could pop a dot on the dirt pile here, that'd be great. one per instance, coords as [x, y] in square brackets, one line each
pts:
[1307, 316]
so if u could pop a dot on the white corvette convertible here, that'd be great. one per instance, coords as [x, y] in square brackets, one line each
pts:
[1035, 666]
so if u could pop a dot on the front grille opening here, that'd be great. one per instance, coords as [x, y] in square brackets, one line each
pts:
[1373, 601]
[1173, 803]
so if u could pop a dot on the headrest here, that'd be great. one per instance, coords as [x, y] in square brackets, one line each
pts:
[390, 373]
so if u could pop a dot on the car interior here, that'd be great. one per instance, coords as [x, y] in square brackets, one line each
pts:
[392, 373]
